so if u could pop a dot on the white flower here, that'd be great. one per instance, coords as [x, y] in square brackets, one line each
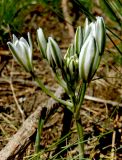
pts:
[22, 51]
[99, 32]
[87, 59]
[42, 42]
[87, 30]
[92, 48]
[54, 53]
[49, 56]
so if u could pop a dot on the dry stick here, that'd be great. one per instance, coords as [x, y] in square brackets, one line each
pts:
[67, 18]
[113, 146]
[22, 138]
[4, 52]
[113, 103]
[113, 153]
[16, 101]
[14, 96]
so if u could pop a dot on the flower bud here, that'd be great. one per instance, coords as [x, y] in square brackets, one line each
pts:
[50, 58]
[54, 54]
[78, 41]
[87, 59]
[71, 68]
[73, 65]
[99, 32]
[87, 30]
[70, 52]
[92, 49]
[42, 42]
[22, 52]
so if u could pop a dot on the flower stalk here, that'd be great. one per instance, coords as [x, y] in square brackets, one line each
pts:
[80, 138]
[41, 122]
[79, 123]
[51, 94]
[81, 98]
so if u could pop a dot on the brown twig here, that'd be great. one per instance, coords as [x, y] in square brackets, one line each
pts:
[113, 146]
[113, 103]
[16, 101]
[24, 135]
[14, 96]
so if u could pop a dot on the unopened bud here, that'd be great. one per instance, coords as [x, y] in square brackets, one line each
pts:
[88, 55]
[99, 32]
[78, 41]
[42, 42]
[54, 53]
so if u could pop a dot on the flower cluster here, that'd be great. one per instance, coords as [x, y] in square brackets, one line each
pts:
[82, 57]
[94, 37]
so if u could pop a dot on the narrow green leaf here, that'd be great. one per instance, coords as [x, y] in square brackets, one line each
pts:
[109, 10]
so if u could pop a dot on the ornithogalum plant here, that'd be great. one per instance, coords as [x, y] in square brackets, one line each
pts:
[74, 71]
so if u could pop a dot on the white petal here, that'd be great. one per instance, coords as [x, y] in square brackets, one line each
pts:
[42, 41]
[86, 25]
[49, 55]
[22, 52]
[89, 57]
[14, 52]
[15, 39]
[28, 50]
[30, 42]
[87, 30]
[56, 52]
[81, 61]
[86, 58]
[24, 41]
[93, 29]
[100, 34]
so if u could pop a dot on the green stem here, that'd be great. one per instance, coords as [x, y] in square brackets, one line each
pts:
[80, 138]
[51, 94]
[38, 135]
[78, 122]
[39, 132]
[61, 81]
[65, 86]
[81, 98]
